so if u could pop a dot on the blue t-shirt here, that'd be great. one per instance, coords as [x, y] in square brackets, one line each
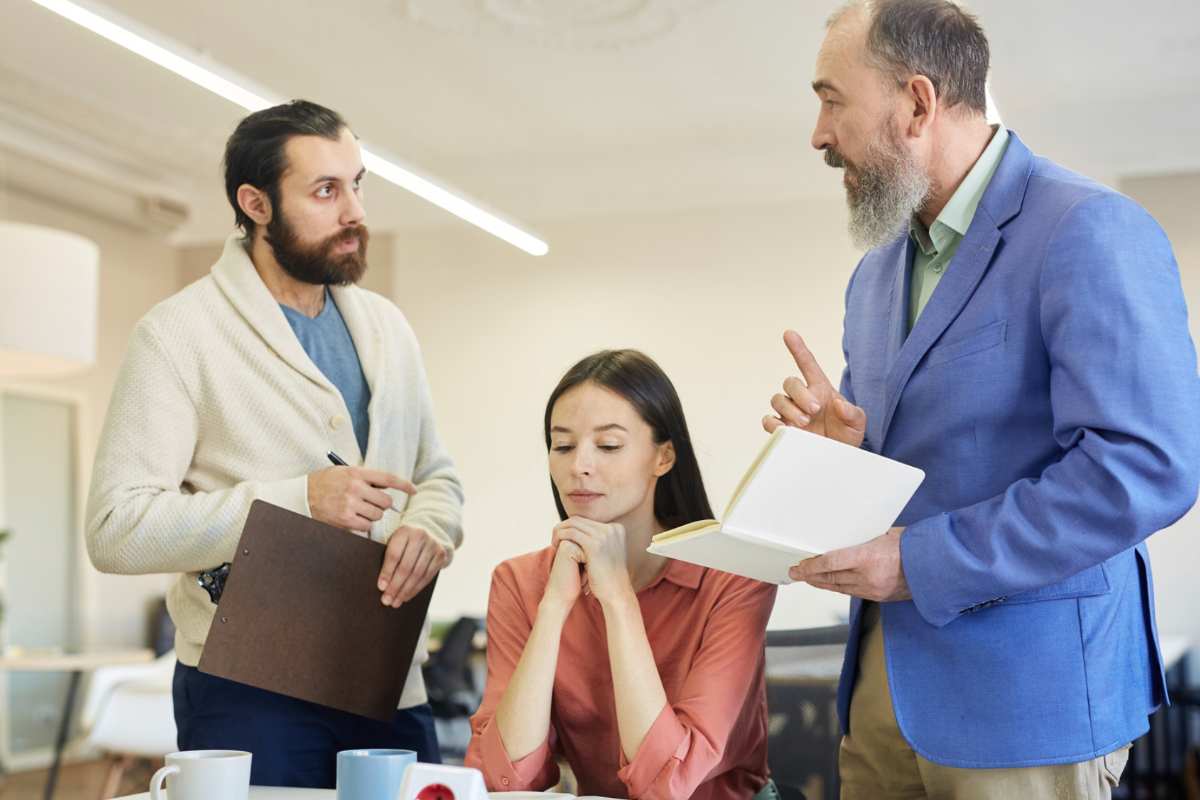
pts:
[327, 341]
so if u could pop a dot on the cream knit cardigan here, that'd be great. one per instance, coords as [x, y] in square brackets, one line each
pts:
[217, 405]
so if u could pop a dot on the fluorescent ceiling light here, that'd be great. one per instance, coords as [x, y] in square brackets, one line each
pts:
[237, 90]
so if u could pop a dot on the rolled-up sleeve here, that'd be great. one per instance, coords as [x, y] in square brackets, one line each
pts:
[536, 771]
[508, 628]
[689, 740]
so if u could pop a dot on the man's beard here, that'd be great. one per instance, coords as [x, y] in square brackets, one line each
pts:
[884, 191]
[317, 264]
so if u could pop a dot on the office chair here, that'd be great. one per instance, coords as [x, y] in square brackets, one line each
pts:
[451, 684]
[802, 726]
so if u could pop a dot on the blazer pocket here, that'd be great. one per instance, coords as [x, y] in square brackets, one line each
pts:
[1091, 582]
[976, 341]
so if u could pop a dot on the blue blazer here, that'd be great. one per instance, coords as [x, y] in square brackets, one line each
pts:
[1049, 391]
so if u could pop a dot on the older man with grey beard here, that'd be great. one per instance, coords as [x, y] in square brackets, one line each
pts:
[1019, 332]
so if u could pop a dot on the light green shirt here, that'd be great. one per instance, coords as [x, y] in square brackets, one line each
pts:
[936, 246]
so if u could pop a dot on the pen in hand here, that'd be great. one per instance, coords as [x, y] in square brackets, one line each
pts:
[338, 461]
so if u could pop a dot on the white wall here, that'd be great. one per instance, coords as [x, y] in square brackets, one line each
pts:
[1175, 202]
[136, 271]
[707, 294]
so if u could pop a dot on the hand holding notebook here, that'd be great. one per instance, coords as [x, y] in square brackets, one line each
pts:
[803, 495]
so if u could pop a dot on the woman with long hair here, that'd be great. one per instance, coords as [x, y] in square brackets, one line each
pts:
[645, 675]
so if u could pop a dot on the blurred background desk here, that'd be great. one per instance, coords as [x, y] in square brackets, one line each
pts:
[803, 667]
[267, 793]
[75, 664]
[1158, 764]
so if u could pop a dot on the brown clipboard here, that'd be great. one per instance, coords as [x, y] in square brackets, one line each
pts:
[300, 615]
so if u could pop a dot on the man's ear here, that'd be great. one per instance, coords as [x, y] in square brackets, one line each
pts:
[666, 459]
[254, 204]
[925, 105]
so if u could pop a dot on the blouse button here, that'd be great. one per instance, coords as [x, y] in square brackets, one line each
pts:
[504, 781]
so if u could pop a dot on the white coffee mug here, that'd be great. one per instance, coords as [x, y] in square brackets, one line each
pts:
[203, 775]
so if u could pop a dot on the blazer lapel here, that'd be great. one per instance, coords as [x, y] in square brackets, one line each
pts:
[887, 334]
[898, 303]
[1001, 202]
[952, 293]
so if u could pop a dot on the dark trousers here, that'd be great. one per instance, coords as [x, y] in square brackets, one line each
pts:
[294, 742]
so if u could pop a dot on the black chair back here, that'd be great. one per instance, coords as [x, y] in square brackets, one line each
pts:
[449, 680]
[802, 730]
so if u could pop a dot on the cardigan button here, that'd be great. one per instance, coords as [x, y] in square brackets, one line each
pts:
[336, 421]
[504, 781]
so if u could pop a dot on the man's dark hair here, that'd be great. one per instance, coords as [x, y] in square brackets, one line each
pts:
[255, 153]
[934, 38]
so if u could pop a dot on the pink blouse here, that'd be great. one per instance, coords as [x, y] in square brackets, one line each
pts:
[706, 630]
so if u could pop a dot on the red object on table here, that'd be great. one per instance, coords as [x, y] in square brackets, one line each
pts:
[436, 791]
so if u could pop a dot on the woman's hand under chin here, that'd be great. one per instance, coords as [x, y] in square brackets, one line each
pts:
[603, 547]
[566, 578]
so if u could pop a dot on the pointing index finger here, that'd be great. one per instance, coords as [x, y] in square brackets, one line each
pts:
[805, 360]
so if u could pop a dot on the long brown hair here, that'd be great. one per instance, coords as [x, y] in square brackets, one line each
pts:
[679, 496]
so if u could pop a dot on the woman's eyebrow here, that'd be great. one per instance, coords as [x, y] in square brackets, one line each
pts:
[612, 426]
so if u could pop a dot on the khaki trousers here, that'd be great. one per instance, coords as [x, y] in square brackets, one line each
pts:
[876, 763]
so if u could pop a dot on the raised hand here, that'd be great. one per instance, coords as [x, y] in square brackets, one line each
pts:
[812, 403]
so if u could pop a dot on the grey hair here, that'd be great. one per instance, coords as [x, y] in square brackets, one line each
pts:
[935, 38]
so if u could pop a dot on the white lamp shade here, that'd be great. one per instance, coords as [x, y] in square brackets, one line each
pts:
[48, 301]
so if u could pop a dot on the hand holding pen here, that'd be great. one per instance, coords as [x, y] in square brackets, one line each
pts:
[352, 497]
[411, 559]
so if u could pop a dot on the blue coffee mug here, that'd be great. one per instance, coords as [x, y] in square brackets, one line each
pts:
[371, 774]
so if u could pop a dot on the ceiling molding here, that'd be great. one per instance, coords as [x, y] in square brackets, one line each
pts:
[569, 24]
[66, 166]
[152, 148]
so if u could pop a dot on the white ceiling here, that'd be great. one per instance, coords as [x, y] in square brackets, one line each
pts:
[715, 111]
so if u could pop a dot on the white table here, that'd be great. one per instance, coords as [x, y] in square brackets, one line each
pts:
[812, 664]
[1173, 648]
[276, 793]
[267, 793]
[76, 664]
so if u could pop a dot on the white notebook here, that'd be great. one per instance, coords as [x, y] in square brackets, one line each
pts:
[804, 495]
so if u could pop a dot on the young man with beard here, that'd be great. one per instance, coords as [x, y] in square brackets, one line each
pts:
[1019, 332]
[234, 390]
